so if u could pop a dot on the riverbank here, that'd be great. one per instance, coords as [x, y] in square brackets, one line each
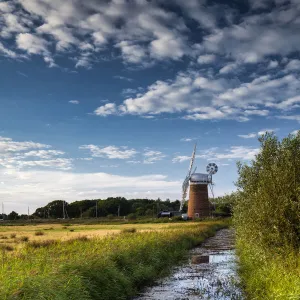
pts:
[115, 267]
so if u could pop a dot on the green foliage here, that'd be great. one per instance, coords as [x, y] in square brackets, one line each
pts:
[13, 216]
[223, 206]
[108, 268]
[111, 206]
[131, 216]
[267, 220]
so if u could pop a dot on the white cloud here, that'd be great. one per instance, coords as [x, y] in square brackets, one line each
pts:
[187, 139]
[8, 145]
[74, 102]
[248, 136]
[256, 36]
[29, 154]
[294, 64]
[267, 130]
[123, 78]
[273, 64]
[7, 52]
[287, 104]
[257, 134]
[292, 118]
[44, 154]
[32, 43]
[107, 109]
[206, 59]
[180, 158]
[147, 31]
[234, 152]
[228, 68]
[152, 156]
[204, 98]
[295, 132]
[110, 152]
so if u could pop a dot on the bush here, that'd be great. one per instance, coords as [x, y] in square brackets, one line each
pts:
[131, 216]
[24, 238]
[128, 230]
[13, 235]
[41, 244]
[6, 247]
[268, 208]
[38, 233]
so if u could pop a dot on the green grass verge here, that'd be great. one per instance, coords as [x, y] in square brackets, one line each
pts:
[115, 267]
[268, 275]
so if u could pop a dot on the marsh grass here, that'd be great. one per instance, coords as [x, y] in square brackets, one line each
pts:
[114, 267]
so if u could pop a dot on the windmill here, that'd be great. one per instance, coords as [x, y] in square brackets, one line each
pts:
[198, 183]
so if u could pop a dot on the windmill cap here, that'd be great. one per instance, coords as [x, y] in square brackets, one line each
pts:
[200, 177]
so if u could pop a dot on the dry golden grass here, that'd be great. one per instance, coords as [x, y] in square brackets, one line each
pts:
[11, 234]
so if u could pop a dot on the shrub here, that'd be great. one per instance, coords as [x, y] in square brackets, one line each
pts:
[38, 233]
[267, 211]
[128, 230]
[13, 235]
[40, 244]
[131, 216]
[24, 238]
[4, 247]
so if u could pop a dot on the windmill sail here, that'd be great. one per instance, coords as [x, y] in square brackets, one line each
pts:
[185, 184]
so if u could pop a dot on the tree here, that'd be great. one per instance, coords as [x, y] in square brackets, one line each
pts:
[13, 216]
[267, 211]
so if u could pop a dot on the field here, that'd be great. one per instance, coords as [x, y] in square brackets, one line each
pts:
[13, 235]
[83, 261]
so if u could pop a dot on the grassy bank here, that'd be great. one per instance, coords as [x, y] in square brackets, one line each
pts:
[269, 274]
[114, 267]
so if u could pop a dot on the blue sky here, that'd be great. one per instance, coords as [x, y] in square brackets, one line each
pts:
[107, 98]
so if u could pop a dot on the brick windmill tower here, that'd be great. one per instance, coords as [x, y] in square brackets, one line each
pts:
[199, 205]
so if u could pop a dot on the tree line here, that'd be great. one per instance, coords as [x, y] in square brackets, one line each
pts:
[110, 207]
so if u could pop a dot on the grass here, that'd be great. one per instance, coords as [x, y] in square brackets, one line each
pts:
[113, 267]
[269, 275]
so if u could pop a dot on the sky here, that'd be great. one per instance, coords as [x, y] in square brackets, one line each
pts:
[107, 98]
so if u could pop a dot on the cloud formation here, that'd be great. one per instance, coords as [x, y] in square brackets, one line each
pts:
[110, 152]
[234, 152]
[28, 154]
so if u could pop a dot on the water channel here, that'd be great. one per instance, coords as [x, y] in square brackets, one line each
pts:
[210, 273]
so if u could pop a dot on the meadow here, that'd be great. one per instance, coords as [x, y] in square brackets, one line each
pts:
[55, 261]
